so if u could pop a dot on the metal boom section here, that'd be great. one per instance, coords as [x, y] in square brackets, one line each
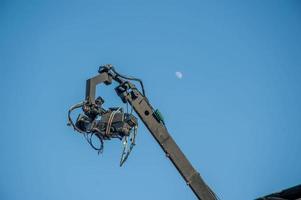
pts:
[130, 94]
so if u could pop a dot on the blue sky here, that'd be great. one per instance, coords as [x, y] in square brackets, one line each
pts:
[235, 113]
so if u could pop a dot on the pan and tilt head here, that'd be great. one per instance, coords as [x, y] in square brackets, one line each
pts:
[111, 123]
[96, 122]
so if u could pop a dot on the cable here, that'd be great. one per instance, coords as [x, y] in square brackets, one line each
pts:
[70, 122]
[130, 78]
[126, 151]
[100, 149]
[110, 67]
[88, 135]
[110, 121]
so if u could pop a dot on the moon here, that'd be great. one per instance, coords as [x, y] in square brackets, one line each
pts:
[179, 75]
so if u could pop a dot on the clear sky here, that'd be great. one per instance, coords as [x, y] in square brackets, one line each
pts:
[235, 113]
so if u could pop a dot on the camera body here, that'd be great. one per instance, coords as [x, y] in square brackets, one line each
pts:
[107, 124]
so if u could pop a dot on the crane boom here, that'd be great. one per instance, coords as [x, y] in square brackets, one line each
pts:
[128, 93]
[158, 130]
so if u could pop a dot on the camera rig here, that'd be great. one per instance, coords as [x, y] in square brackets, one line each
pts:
[115, 123]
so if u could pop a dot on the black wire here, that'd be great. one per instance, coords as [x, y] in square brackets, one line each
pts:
[70, 121]
[100, 149]
[88, 135]
[130, 78]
